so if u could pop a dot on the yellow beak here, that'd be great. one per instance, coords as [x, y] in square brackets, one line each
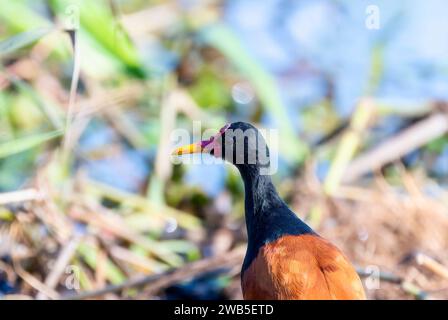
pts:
[191, 148]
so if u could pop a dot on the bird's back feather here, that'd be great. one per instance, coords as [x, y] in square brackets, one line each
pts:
[303, 267]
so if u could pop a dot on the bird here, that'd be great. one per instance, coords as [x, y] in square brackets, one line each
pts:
[285, 258]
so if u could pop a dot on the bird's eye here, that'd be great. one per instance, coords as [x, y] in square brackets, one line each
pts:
[212, 152]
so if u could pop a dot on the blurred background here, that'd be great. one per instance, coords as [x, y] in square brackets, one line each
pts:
[91, 205]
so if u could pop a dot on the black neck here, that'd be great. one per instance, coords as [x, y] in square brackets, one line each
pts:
[267, 216]
[260, 197]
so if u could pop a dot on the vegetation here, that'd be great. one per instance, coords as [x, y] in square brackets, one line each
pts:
[92, 207]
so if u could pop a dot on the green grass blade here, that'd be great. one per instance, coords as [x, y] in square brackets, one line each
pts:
[99, 24]
[19, 16]
[22, 39]
[22, 144]
[53, 114]
[90, 254]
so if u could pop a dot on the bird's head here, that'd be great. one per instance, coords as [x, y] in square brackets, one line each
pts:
[239, 143]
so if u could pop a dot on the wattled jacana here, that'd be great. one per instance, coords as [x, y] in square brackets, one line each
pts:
[285, 258]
